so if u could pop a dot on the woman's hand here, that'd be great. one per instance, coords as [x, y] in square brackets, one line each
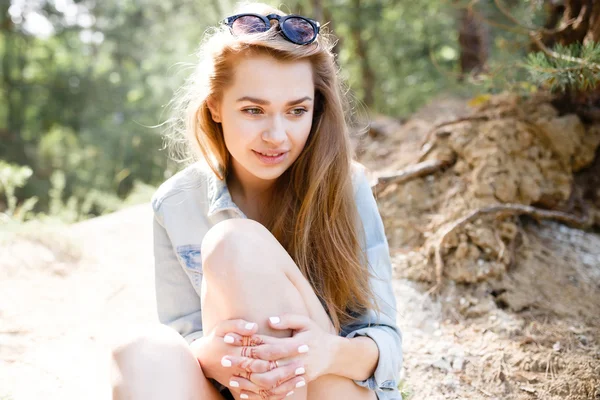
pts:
[314, 345]
[210, 349]
[220, 356]
[308, 353]
[260, 379]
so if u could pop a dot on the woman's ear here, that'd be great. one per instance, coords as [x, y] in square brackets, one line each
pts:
[214, 109]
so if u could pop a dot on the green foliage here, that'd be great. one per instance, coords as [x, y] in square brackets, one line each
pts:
[573, 68]
[13, 177]
[405, 391]
[59, 148]
[78, 102]
[401, 39]
[64, 211]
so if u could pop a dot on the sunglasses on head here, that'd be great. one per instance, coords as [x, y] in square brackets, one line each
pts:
[295, 28]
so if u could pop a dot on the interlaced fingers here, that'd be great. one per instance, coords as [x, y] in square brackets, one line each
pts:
[249, 344]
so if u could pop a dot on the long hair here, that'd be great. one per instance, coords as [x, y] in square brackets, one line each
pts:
[314, 215]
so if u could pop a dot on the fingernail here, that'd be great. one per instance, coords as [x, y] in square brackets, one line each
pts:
[234, 384]
[275, 320]
[300, 384]
[225, 362]
[289, 394]
[243, 396]
[250, 325]
[228, 339]
[303, 349]
[300, 371]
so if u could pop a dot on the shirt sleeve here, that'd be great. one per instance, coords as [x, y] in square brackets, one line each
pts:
[178, 303]
[379, 327]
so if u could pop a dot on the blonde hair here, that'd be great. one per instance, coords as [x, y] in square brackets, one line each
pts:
[315, 219]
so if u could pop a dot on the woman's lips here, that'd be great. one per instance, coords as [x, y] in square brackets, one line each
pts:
[270, 160]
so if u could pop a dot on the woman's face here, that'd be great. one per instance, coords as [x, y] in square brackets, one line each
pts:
[267, 109]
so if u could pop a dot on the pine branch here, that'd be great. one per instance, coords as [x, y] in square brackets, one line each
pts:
[592, 65]
[566, 67]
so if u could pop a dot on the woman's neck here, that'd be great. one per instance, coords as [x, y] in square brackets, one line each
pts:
[249, 193]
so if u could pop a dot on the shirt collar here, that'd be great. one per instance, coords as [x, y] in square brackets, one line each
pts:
[219, 198]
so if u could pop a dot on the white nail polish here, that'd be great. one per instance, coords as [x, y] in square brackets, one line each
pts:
[289, 394]
[234, 384]
[250, 325]
[300, 384]
[225, 362]
[303, 349]
[300, 371]
[244, 396]
[274, 320]
[228, 339]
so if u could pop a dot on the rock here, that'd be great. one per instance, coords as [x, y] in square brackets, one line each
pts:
[443, 365]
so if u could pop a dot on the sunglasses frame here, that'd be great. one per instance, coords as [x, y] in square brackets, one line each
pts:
[280, 21]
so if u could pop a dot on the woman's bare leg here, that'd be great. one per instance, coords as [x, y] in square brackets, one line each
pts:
[155, 363]
[248, 274]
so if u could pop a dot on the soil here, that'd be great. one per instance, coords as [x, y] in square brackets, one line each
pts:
[517, 314]
[65, 294]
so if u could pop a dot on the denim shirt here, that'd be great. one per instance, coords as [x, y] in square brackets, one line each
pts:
[189, 203]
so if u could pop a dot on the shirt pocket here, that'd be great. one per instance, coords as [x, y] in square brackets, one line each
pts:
[190, 257]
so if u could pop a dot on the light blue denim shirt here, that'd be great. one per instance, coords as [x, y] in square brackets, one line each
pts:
[189, 203]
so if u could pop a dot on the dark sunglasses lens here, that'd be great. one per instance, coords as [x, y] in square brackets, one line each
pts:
[248, 24]
[298, 30]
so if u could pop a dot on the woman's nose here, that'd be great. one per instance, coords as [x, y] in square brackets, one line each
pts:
[276, 132]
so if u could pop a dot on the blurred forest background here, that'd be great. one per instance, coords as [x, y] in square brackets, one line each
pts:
[84, 83]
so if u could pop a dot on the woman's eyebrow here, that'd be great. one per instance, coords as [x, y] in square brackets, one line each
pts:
[266, 103]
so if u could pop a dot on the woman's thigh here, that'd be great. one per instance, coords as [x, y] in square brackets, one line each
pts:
[155, 362]
[238, 248]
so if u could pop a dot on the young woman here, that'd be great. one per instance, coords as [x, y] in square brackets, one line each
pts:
[273, 276]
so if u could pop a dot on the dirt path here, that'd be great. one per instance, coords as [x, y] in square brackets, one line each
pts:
[56, 317]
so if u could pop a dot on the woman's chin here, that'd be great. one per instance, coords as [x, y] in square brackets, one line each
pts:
[267, 174]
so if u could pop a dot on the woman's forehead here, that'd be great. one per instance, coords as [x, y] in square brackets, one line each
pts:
[265, 77]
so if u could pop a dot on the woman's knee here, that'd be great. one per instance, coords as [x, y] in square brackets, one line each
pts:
[146, 341]
[231, 241]
[153, 358]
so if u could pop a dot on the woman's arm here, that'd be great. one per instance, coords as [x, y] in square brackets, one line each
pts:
[378, 328]
[177, 302]
[354, 358]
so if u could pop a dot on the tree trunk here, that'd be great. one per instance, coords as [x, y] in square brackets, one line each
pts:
[367, 74]
[328, 18]
[473, 37]
[572, 21]
[12, 146]
[317, 10]
[593, 33]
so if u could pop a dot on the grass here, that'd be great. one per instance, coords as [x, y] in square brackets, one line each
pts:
[405, 391]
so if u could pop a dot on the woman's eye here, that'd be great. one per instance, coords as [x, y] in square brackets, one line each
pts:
[299, 111]
[257, 111]
[252, 111]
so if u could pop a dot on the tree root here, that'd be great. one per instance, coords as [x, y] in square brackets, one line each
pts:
[501, 210]
[412, 172]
